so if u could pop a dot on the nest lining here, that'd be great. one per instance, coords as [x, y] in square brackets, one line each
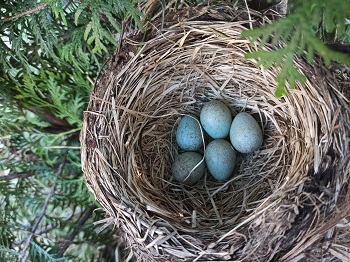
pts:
[129, 146]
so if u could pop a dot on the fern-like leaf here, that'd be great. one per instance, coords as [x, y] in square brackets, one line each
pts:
[99, 32]
[296, 35]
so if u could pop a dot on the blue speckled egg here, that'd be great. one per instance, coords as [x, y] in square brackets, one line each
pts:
[245, 133]
[188, 134]
[220, 159]
[183, 165]
[216, 119]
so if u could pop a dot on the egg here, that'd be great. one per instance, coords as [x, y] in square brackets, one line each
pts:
[188, 134]
[220, 159]
[183, 168]
[245, 133]
[216, 119]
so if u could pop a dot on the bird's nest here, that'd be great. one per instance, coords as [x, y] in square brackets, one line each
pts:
[281, 200]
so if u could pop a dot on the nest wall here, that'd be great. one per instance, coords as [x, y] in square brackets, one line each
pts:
[281, 199]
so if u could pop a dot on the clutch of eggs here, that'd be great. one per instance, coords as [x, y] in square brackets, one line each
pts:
[242, 134]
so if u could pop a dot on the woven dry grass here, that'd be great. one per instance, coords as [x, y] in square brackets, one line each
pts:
[281, 201]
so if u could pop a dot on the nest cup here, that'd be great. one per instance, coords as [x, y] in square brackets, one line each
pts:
[281, 200]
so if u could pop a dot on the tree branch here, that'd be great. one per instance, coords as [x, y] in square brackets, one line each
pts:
[28, 12]
[68, 240]
[15, 175]
[24, 253]
[67, 4]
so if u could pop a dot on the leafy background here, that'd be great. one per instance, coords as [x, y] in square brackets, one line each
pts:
[51, 53]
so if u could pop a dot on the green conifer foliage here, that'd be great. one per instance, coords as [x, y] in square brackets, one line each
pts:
[299, 35]
[51, 52]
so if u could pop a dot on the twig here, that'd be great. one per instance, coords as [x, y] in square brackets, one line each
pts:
[68, 240]
[44, 229]
[248, 11]
[67, 4]
[63, 147]
[14, 176]
[28, 12]
[24, 253]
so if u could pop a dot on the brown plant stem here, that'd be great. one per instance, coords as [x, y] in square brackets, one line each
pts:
[68, 239]
[28, 12]
[14, 176]
[24, 253]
